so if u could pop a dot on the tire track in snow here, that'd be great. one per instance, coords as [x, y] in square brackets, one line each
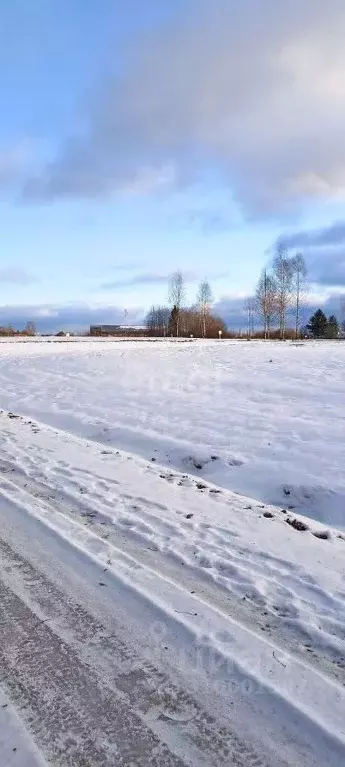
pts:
[309, 731]
[90, 513]
[31, 498]
[89, 710]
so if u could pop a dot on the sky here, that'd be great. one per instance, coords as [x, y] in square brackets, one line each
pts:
[139, 137]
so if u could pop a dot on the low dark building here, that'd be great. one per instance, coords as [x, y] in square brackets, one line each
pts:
[105, 330]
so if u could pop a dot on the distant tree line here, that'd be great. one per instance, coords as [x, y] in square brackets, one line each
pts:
[8, 330]
[277, 309]
[279, 300]
[179, 320]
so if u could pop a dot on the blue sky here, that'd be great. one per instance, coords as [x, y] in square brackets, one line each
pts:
[137, 138]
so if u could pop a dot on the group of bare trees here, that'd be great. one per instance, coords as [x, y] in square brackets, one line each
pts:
[158, 320]
[8, 330]
[177, 319]
[278, 302]
[280, 294]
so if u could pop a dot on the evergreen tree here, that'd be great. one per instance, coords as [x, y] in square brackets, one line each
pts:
[318, 324]
[173, 322]
[332, 327]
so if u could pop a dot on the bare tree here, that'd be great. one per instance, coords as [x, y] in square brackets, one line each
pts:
[283, 278]
[177, 295]
[157, 320]
[204, 303]
[30, 328]
[342, 312]
[250, 308]
[266, 301]
[299, 287]
[164, 319]
[150, 320]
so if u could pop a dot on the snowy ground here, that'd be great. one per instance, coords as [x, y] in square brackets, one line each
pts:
[242, 611]
[16, 747]
[264, 420]
[141, 604]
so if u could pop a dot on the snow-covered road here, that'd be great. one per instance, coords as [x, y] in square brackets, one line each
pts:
[150, 618]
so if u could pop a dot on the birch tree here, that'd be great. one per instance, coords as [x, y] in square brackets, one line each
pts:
[283, 279]
[342, 312]
[299, 286]
[250, 307]
[177, 296]
[204, 302]
[266, 301]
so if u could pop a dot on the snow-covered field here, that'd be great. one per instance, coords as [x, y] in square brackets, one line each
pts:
[264, 420]
[214, 589]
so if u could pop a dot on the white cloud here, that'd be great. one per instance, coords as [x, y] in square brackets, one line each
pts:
[255, 90]
[45, 311]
